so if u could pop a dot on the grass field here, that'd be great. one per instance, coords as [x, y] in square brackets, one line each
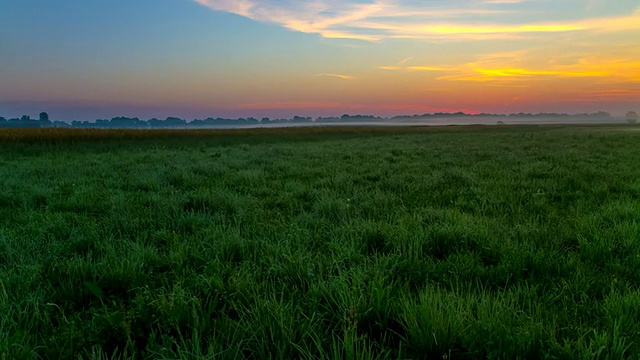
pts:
[353, 243]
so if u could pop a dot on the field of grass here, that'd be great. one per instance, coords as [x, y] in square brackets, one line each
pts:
[354, 243]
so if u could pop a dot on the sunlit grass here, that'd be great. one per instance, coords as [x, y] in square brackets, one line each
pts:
[356, 243]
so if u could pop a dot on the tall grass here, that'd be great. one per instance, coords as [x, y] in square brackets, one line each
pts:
[457, 243]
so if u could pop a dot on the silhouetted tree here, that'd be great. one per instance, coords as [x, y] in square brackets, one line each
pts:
[25, 118]
[174, 121]
[44, 116]
[632, 117]
[155, 122]
[301, 119]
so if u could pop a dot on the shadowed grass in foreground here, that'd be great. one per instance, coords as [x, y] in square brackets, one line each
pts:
[506, 242]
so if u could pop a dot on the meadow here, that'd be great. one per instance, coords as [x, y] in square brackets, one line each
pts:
[485, 242]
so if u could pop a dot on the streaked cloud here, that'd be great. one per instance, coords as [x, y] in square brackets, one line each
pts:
[429, 68]
[519, 67]
[504, 1]
[598, 69]
[339, 76]
[384, 19]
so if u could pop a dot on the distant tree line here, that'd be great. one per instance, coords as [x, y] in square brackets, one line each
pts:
[174, 122]
[136, 123]
[27, 122]
[596, 115]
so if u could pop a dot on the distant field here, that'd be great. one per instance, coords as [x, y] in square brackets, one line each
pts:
[475, 242]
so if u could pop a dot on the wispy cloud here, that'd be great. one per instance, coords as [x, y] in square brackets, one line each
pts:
[339, 76]
[517, 68]
[429, 68]
[383, 19]
[601, 69]
[399, 66]
[504, 1]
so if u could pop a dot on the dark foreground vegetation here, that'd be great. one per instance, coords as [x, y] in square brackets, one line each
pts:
[443, 243]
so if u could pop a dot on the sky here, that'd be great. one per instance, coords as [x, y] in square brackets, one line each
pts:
[90, 59]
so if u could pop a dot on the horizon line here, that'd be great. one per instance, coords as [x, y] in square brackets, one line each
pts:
[336, 117]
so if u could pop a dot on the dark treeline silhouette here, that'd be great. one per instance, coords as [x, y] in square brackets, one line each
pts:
[27, 122]
[136, 123]
[597, 115]
[174, 122]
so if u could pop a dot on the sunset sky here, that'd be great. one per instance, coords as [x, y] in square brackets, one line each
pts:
[88, 59]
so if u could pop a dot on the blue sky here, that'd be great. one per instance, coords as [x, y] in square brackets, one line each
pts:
[99, 59]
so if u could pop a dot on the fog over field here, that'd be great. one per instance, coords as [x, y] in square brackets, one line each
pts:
[445, 121]
[438, 119]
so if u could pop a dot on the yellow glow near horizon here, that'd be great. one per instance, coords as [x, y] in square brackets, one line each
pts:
[351, 55]
[524, 72]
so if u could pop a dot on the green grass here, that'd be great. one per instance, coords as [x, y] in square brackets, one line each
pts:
[355, 243]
